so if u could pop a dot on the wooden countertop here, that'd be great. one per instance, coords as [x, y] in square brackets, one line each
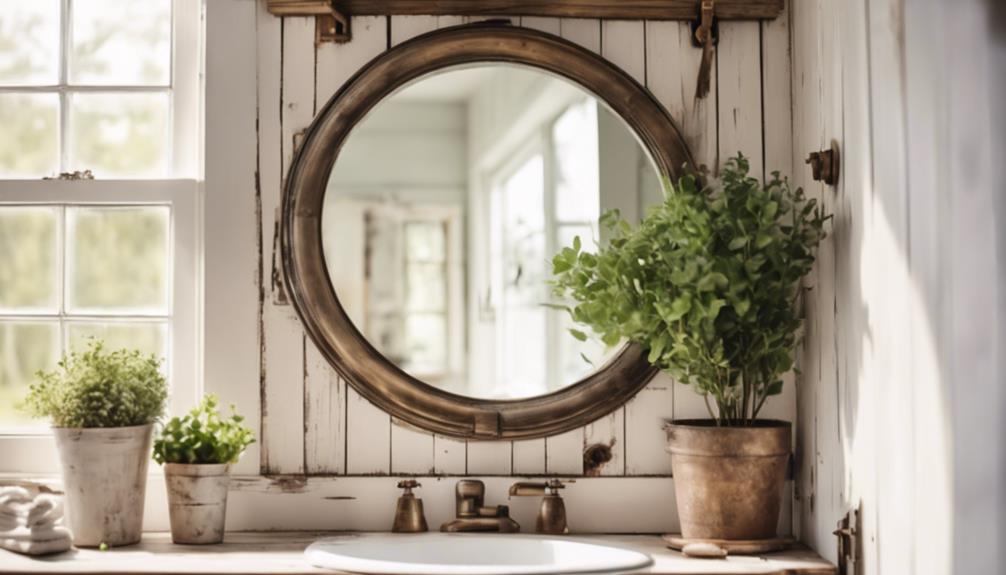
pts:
[282, 553]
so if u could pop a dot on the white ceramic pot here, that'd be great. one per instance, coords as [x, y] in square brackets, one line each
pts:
[197, 501]
[105, 479]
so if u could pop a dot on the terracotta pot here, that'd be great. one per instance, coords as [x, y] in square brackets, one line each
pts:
[728, 480]
[197, 501]
[105, 479]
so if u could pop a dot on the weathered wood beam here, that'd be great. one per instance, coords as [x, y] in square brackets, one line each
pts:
[617, 9]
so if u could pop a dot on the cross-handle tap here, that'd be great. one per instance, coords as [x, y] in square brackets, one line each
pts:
[552, 514]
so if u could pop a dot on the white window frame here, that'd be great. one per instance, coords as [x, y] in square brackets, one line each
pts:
[31, 452]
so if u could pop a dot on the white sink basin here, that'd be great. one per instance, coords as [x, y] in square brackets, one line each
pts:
[470, 553]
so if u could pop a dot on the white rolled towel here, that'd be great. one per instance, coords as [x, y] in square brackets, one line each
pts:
[29, 523]
[44, 510]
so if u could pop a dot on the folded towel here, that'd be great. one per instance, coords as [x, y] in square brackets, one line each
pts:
[44, 509]
[36, 541]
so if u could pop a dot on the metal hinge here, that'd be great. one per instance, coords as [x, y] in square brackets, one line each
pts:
[848, 543]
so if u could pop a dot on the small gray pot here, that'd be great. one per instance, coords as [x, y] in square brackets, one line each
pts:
[197, 501]
[105, 478]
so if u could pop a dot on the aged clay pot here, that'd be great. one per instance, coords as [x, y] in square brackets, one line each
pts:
[728, 480]
[197, 501]
[105, 479]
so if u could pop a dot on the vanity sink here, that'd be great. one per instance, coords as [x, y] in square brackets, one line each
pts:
[470, 553]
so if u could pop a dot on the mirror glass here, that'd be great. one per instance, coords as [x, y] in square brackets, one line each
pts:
[444, 208]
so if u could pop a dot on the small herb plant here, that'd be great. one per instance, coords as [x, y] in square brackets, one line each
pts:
[99, 388]
[707, 282]
[203, 436]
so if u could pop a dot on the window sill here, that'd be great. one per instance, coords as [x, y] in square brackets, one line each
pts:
[282, 553]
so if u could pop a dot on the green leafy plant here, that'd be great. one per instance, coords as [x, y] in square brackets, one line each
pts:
[707, 282]
[99, 388]
[203, 436]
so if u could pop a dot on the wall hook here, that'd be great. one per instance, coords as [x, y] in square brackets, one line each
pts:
[824, 165]
[705, 36]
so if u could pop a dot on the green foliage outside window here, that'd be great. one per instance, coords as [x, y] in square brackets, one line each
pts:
[708, 282]
[99, 388]
[203, 436]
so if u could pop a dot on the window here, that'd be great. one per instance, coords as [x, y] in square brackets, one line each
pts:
[545, 195]
[109, 86]
[104, 85]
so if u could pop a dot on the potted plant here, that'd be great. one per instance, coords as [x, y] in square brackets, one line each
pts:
[102, 405]
[197, 451]
[709, 283]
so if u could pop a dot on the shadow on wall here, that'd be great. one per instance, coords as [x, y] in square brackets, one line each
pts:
[918, 259]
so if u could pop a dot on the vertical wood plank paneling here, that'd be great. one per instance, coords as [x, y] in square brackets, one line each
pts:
[564, 453]
[672, 66]
[230, 268]
[857, 410]
[623, 43]
[889, 312]
[368, 429]
[412, 450]
[646, 413]
[550, 25]
[325, 400]
[778, 152]
[450, 456]
[288, 87]
[739, 81]
[658, 54]
[827, 491]
[490, 458]
[529, 455]
[806, 98]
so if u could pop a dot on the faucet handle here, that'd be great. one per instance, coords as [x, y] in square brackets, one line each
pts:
[469, 497]
[408, 485]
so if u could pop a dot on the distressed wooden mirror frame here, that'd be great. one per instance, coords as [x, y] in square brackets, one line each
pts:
[307, 279]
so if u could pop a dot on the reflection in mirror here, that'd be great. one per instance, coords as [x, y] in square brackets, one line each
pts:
[444, 208]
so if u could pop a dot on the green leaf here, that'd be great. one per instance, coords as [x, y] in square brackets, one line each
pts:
[774, 388]
[763, 240]
[737, 243]
[578, 334]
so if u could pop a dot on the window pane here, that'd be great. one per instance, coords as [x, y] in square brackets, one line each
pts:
[121, 42]
[28, 253]
[147, 337]
[29, 42]
[117, 259]
[426, 287]
[575, 141]
[25, 347]
[119, 135]
[426, 241]
[29, 145]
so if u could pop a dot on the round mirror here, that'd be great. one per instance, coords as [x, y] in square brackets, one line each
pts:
[443, 210]
[425, 206]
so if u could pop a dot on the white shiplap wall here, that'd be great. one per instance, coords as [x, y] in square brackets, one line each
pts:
[265, 81]
[313, 422]
[901, 410]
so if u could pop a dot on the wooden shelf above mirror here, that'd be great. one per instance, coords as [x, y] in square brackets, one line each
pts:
[336, 13]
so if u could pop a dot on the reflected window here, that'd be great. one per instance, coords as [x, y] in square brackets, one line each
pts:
[539, 203]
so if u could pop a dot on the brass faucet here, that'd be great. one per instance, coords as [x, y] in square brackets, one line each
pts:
[552, 514]
[409, 516]
[472, 513]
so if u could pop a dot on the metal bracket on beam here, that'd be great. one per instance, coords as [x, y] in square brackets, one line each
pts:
[330, 23]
